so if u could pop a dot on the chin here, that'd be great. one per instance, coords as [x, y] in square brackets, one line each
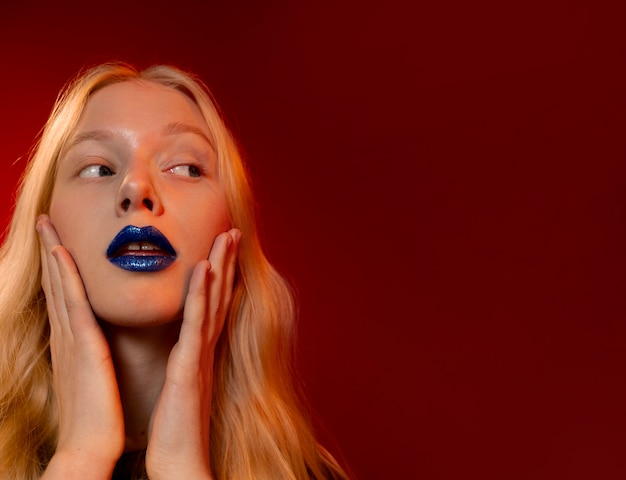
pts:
[129, 312]
[129, 299]
[137, 322]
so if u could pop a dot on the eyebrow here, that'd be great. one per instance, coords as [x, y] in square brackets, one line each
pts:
[176, 128]
[104, 135]
[97, 135]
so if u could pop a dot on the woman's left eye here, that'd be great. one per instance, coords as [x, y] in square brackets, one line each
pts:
[186, 170]
[93, 171]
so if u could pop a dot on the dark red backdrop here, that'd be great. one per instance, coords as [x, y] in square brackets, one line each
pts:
[445, 184]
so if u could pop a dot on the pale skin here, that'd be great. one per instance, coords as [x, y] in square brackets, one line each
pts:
[136, 373]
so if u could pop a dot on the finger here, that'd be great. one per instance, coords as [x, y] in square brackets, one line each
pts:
[231, 267]
[182, 366]
[47, 233]
[221, 287]
[205, 298]
[76, 303]
[194, 313]
[45, 277]
[51, 279]
[57, 295]
[218, 297]
[71, 305]
[202, 317]
[45, 284]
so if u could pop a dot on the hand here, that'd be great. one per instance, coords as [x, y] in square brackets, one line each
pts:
[178, 444]
[91, 422]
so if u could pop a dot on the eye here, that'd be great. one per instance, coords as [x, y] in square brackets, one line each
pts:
[93, 171]
[186, 170]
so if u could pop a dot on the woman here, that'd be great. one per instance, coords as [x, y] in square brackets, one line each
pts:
[143, 330]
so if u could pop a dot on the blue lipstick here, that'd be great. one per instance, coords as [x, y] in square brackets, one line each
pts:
[141, 249]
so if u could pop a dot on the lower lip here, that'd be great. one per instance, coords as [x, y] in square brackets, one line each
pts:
[142, 263]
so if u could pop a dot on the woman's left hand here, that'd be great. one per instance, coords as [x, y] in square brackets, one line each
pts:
[178, 444]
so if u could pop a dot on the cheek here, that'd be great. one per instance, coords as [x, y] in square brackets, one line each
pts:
[81, 232]
[201, 229]
[64, 219]
[57, 211]
[74, 225]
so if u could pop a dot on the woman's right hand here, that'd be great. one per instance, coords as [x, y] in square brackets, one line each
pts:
[91, 422]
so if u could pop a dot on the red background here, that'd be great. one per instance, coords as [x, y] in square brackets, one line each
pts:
[444, 182]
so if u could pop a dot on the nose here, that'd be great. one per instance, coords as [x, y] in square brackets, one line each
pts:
[138, 193]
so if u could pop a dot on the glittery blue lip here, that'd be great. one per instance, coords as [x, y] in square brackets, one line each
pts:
[136, 263]
[141, 263]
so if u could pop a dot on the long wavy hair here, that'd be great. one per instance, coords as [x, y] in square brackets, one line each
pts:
[259, 428]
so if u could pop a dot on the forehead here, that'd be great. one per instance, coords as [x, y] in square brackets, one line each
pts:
[140, 105]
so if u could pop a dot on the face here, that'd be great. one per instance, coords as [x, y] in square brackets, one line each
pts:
[139, 172]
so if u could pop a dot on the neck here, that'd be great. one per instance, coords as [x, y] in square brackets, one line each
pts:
[140, 357]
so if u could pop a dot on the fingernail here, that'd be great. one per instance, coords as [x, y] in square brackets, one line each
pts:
[207, 275]
[38, 224]
[237, 236]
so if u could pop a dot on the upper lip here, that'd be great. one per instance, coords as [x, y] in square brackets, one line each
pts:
[133, 234]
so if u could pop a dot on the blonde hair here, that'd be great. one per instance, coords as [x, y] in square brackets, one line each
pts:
[259, 429]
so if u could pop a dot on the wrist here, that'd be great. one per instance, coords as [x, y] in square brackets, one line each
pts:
[65, 465]
[172, 470]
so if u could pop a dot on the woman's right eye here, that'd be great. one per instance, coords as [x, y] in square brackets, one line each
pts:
[94, 171]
